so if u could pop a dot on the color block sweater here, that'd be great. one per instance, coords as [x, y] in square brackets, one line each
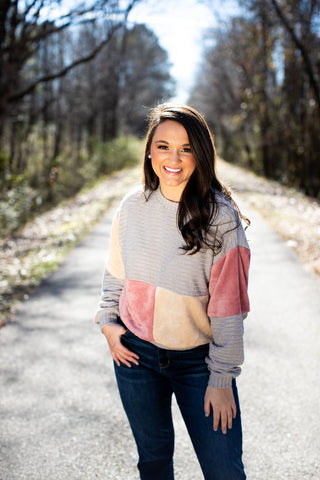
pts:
[173, 299]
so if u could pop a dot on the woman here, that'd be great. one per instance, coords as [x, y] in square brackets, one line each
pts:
[174, 299]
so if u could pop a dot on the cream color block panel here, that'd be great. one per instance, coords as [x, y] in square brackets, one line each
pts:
[115, 264]
[180, 322]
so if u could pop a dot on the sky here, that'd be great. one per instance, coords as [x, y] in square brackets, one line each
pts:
[179, 26]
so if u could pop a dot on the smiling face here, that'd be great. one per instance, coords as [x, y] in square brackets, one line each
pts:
[171, 158]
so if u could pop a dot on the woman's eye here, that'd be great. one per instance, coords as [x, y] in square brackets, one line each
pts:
[166, 147]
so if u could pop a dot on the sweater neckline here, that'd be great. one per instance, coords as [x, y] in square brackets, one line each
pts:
[169, 204]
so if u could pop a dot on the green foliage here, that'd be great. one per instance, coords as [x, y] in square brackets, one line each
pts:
[16, 204]
[120, 153]
[40, 187]
[4, 161]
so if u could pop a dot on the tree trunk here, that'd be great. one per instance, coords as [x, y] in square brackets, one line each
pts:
[304, 53]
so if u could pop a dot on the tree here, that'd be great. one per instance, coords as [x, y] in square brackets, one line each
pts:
[308, 11]
[261, 90]
[25, 26]
[239, 83]
[145, 78]
[114, 90]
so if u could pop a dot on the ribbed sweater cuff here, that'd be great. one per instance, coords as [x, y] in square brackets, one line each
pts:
[104, 318]
[220, 381]
[107, 323]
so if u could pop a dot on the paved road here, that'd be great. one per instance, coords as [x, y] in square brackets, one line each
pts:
[61, 417]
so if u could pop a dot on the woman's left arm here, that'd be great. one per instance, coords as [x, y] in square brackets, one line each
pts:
[227, 308]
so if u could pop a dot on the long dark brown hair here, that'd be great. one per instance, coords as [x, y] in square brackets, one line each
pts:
[198, 204]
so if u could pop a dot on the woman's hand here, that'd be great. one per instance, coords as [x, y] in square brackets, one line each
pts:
[223, 406]
[120, 354]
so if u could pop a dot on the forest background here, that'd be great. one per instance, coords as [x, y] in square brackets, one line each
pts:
[77, 80]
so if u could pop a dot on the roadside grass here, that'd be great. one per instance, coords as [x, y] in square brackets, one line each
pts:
[42, 187]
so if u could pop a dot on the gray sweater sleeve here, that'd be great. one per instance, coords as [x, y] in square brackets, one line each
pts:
[109, 304]
[225, 351]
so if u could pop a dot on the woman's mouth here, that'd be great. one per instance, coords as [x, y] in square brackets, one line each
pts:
[172, 170]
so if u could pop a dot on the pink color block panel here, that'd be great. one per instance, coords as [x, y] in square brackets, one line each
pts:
[228, 285]
[137, 308]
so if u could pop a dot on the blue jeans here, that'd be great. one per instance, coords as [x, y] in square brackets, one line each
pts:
[146, 391]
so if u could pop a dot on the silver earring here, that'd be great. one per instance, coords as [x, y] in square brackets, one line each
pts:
[149, 156]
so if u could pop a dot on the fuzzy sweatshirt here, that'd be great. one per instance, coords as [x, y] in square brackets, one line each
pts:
[173, 299]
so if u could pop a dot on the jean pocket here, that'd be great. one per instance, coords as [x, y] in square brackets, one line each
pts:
[125, 334]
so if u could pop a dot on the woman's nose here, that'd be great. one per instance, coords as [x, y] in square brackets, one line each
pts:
[175, 156]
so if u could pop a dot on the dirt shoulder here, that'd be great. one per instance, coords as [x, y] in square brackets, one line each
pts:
[39, 248]
[292, 215]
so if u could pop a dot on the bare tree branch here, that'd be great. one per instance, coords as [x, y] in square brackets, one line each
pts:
[30, 7]
[304, 53]
[65, 70]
